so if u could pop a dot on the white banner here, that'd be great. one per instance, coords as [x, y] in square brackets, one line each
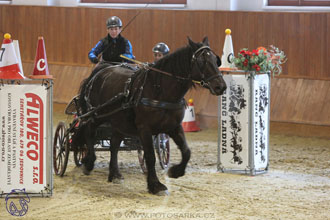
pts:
[261, 121]
[234, 126]
[23, 139]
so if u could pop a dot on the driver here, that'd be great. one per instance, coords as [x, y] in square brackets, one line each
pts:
[160, 50]
[113, 45]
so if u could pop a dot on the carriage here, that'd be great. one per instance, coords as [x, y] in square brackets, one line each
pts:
[62, 144]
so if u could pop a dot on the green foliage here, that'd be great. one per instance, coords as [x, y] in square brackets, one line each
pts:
[260, 60]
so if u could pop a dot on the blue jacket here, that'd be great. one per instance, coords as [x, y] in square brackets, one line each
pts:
[111, 49]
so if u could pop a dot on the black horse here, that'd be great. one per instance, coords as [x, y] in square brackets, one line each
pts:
[145, 103]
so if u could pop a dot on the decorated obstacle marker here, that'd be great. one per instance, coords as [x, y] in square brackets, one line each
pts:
[227, 53]
[243, 117]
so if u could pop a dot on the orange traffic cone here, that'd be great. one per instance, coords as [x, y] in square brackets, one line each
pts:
[189, 121]
[9, 67]
[40, 70]
[227, 53]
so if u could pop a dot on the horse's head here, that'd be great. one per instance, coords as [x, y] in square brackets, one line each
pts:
[205, 67]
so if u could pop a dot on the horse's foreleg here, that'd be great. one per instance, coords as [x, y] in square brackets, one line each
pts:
[114, 174]
[154, 185]
[89, 159]
[180, 140]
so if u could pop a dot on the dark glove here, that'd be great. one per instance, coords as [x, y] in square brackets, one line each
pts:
[95, 60]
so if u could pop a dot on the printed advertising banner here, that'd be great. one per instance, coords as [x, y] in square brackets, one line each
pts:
[25, 139]
[243, 117]
[234, 123]
[261, 120]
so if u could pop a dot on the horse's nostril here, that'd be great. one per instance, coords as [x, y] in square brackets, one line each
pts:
[220, 89]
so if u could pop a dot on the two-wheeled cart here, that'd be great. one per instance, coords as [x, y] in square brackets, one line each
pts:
[62, 144]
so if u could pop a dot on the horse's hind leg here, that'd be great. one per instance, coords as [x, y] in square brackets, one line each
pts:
[114, 174]
[180, 140]
[154, 185]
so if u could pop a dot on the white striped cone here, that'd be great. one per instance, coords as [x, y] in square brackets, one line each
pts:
[9, 67]
[18, 55]
[227, 53]
[189, 121]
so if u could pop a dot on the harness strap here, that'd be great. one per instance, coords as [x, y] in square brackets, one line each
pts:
[161, 104]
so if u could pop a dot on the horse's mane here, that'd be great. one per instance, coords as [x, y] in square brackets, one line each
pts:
[177, 62]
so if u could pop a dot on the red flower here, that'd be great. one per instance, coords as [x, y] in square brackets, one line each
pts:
[256, 67]
[245, 63]
[256, 52]
[242, 52]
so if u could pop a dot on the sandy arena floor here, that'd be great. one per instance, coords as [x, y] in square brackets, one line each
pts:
[297, 186]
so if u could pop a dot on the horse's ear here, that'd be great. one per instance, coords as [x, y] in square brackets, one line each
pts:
[206, 41]
[192, 43]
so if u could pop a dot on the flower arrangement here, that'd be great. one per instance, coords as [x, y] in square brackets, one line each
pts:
[260, 60]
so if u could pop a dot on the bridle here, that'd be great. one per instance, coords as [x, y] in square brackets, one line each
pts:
[194, 61]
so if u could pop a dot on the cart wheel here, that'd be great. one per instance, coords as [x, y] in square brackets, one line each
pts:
[60, 150]
[142, 161]
[162, 147]
[78, 154]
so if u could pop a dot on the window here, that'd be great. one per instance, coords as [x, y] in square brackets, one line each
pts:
[137, 1]
[299, 2]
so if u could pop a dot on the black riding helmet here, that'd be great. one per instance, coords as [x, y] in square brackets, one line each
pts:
[114, 21]
[161, 48]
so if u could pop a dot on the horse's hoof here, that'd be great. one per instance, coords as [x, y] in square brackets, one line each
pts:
[175, 172]
[157, 189]
[85, 171]
[116, 179]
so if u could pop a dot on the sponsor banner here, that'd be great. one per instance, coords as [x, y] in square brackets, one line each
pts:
[234, 123]
[23, 137]
[261, 120]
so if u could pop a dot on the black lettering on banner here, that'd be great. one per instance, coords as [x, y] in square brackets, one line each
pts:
[3, 51]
